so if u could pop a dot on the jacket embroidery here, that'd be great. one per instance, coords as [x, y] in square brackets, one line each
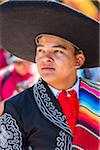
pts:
[47, 108]
[63, 141]
[10, 136]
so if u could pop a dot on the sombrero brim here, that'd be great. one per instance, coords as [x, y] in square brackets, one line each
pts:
[22, 21]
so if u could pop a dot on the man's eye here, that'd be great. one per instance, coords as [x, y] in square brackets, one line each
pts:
[58, 51]
[39, 50]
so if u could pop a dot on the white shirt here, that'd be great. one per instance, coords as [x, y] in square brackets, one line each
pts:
[75, 87]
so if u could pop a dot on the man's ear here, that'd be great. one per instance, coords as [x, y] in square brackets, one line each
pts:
[80, 59]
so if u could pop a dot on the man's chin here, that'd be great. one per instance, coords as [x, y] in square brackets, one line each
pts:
[48, 78]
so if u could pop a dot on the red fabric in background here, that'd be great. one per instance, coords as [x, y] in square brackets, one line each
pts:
[3, 62]
[89, 143]
[10, 84]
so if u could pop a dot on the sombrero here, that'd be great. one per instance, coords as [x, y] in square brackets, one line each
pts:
[22, 21]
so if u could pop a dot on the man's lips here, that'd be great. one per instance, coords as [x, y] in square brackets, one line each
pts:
[48, 68]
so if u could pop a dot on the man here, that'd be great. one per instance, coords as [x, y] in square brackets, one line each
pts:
[59, 112]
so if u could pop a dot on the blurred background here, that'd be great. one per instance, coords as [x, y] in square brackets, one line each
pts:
[17, 75]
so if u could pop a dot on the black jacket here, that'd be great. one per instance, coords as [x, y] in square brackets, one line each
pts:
[34, 120]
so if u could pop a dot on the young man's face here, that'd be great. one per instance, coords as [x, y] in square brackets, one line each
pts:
[56, 60]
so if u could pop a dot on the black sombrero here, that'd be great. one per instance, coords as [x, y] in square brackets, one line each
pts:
[22, 21]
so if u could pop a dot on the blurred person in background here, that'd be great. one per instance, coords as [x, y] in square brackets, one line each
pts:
[16, 79]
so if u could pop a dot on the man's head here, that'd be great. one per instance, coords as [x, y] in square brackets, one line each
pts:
[57, 60]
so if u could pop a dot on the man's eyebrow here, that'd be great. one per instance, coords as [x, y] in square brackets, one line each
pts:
[39, 45]
[55, 46]
[59, 46]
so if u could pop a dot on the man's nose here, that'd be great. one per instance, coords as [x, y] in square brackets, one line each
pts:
[48, 57]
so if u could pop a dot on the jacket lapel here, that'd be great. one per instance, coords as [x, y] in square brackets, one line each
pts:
[49, 106]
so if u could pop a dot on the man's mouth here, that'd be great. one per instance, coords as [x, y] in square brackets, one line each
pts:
[43, 68]
[47, 68]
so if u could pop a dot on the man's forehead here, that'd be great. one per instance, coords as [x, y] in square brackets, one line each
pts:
[54, 38]
[53, 41]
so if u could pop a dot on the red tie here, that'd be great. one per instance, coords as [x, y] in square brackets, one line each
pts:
[70, 106]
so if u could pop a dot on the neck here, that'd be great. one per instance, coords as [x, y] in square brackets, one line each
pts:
[59, 85]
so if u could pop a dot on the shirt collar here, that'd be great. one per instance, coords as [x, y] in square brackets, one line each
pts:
[75, 87]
